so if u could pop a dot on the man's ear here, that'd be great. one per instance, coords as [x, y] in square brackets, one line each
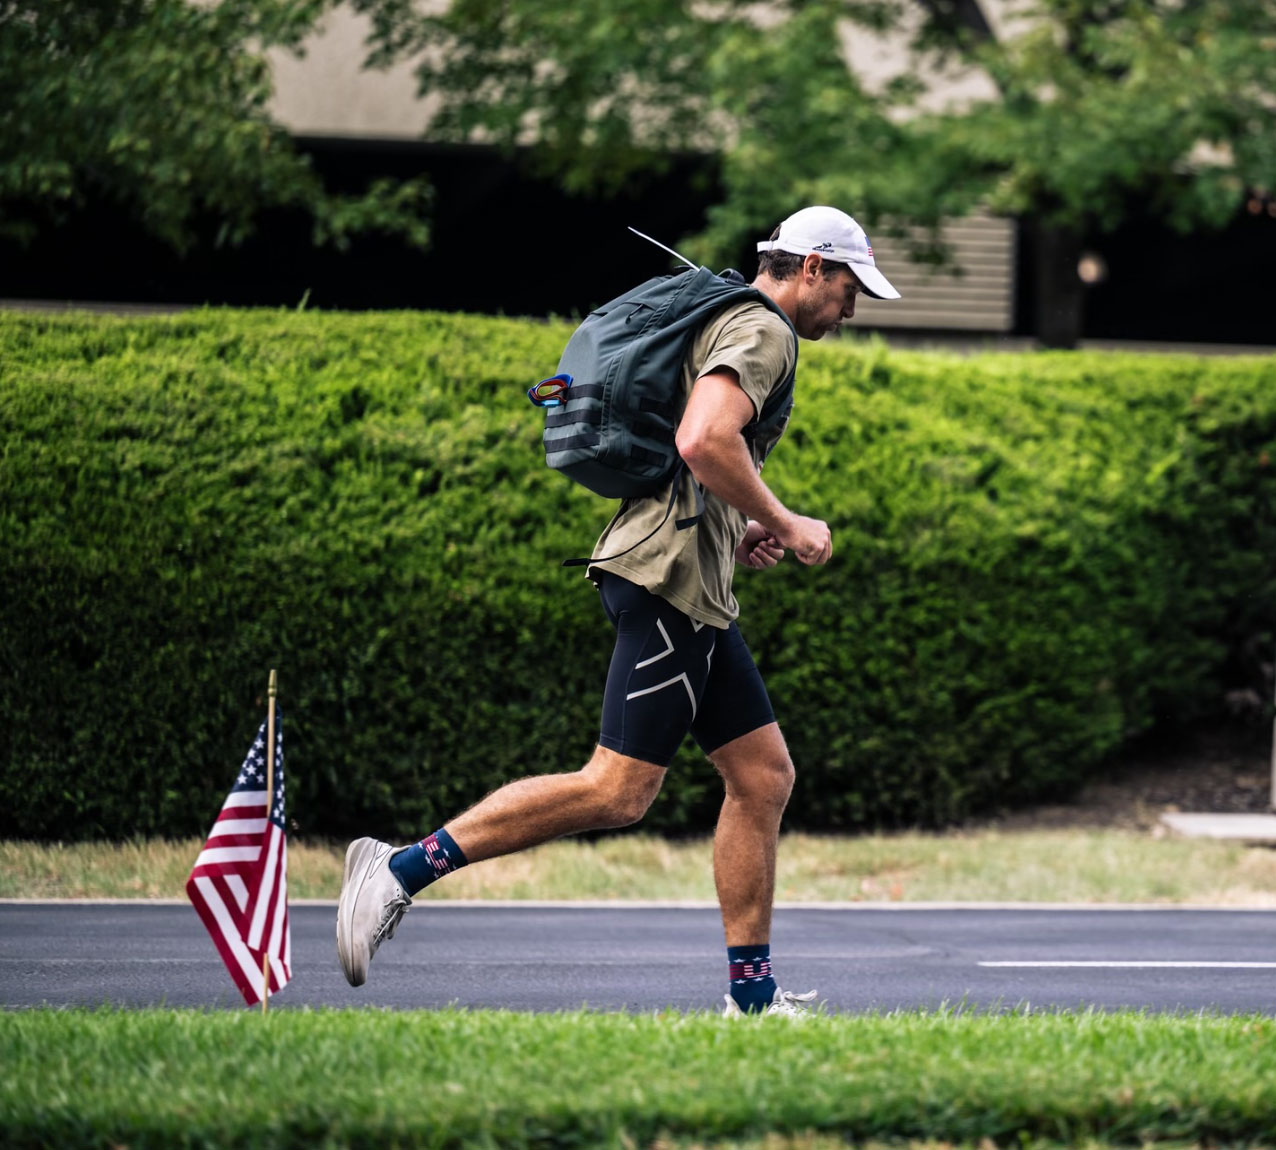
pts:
[811, 267]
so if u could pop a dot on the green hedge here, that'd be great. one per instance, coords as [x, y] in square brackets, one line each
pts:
[1037, 557]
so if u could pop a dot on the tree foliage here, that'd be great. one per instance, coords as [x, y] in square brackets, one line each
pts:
[1101, 109]
[160, 107]
[1111, 108]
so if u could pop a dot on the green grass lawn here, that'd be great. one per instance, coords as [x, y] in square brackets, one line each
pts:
[166, 1078]
[999, 866]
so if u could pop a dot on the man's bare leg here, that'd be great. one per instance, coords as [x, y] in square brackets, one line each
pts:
[758, 775]
[611, 790]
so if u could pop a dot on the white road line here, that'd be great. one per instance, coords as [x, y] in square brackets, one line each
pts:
[1141, 964]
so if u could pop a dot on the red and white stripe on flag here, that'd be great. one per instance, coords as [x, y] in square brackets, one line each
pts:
[239, 884]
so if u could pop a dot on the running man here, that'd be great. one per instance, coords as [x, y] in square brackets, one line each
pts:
[680, 664]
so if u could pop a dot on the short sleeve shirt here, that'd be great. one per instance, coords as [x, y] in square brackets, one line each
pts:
[692, 568]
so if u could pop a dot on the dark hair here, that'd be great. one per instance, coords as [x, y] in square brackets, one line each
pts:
[782, 265]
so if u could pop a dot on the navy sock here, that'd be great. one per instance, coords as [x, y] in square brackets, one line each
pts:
[427, 861]
[752, 985]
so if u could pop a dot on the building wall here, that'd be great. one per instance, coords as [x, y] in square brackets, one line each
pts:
[327, 93]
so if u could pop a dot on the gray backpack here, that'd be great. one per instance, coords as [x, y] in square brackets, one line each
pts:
[613, 407]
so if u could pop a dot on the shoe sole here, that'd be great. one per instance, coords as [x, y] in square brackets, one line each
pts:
[361, 860]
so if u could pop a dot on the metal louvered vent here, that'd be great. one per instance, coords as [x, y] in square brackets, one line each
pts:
[980, 299]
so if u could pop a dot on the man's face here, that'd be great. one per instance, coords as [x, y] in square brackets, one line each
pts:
[825, 303]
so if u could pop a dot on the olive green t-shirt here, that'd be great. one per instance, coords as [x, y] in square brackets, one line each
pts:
[692, 568]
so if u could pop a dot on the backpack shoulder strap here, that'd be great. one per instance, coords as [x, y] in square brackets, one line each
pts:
[776, 408]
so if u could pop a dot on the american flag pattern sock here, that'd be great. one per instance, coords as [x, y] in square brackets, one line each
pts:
[752, 984]
[427, 861]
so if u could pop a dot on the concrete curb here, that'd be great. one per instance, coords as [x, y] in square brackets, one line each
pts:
[626, 904]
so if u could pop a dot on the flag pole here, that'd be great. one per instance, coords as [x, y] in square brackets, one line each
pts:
[270, 803]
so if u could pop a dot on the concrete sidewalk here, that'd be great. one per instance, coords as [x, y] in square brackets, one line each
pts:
[1250, 828]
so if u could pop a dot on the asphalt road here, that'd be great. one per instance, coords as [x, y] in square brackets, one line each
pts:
[530, 957]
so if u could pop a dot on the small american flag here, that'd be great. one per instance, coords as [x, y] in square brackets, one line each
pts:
[239, 884]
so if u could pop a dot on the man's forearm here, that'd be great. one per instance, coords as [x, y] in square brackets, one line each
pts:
[725, 468]
[710, 441]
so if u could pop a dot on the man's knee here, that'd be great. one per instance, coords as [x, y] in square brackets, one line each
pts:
[771, 780]
[756, 768]
[623, 788]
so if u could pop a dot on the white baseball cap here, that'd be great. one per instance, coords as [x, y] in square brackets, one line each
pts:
[835, 236]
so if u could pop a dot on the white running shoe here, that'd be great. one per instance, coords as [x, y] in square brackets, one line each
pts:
[372, 903]
[785, 1003]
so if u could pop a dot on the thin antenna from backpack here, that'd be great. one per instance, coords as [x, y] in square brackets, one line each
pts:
[658, 244]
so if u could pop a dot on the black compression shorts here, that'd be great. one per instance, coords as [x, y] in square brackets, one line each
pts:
[670, 675]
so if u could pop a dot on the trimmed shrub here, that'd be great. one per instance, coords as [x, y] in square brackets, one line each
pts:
[1037, 557]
